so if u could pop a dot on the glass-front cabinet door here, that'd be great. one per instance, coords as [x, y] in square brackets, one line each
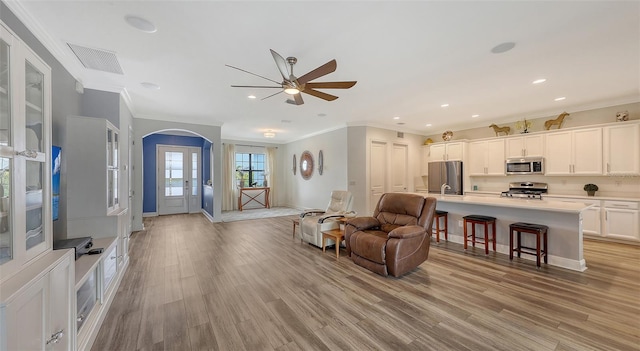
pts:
[112, 169]
[6, 147]
[25, 148]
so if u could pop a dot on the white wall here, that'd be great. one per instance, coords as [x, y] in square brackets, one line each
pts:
[315, 192]
[358, 165]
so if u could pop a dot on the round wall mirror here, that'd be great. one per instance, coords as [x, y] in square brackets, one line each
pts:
[306, 165]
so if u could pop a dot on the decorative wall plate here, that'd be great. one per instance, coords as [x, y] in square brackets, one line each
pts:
[320, 162]
[306, 165]
[295, 164]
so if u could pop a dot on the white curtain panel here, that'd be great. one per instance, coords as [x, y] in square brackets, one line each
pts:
[229, 188]
[271, 168]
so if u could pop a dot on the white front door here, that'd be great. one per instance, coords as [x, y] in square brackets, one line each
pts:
[178, 179]
[399, 163]
[378, 172]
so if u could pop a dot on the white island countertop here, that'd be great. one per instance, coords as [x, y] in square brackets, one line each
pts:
[534, 204]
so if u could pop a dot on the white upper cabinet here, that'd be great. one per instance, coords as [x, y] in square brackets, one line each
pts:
[622, 149]
[486, 157]
[575, 152]
[525, 146]
[453, 151]
[25, 155]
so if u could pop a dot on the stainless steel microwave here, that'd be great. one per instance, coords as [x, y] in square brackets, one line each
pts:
[531, 165]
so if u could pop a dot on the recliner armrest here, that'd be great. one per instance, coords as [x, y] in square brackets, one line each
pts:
[331, 216]
[408, 231]
[363, 223]
[311, 212]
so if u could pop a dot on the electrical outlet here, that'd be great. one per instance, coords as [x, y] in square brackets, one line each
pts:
[460, 224]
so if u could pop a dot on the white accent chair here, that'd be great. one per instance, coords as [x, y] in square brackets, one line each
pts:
[314, 222]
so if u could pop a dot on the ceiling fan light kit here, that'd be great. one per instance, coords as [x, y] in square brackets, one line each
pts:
[293, 85]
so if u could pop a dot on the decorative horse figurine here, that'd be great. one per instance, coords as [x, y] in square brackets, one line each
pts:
[505, 130]
[558, 120]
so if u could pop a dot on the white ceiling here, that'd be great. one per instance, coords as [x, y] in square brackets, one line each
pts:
[409, 58]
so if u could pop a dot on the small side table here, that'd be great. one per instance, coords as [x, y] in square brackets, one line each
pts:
[296, 222]
[337, 235]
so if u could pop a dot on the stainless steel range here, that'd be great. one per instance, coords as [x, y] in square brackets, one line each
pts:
[527, 190]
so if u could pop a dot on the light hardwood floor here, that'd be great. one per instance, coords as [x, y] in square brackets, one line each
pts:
[194, 285]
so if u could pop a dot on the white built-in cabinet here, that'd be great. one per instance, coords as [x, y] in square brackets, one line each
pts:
[93, 209]
[608, 219]
[36, 283]
[621, 220]
[525, 146]
[486, 157]
[574, 152]
[622, 149]
[448, 151]
[36, 309]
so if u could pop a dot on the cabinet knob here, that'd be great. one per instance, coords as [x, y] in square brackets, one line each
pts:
[81, 318]
[55, 337]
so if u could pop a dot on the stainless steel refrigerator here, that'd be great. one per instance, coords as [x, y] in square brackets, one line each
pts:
[445, 172]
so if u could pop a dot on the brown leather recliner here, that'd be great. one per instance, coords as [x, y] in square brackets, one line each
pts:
[397, 238]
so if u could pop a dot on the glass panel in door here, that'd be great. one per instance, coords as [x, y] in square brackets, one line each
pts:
[34, 103]
[5, 95]
[174, 174]
[194, 174]
[34, 200]
[6, 227]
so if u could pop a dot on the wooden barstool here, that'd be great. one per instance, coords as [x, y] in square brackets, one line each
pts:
[437, 230]
[482, 220]
[537, 229]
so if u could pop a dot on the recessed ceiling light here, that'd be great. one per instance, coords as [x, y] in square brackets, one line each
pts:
[251, 96]
[140, 24]
[428, 124]
[400, 123]
[322, 114]
[538, 81]
[152, 86]
[504, 47]
[474, 116]
[285, 120]
[396, 117]
[444, 105]
[560, 98]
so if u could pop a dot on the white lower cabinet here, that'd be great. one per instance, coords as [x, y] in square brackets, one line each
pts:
[96, 282]
[591, 221]
[621, 220]
[36, 306]
[607, 219]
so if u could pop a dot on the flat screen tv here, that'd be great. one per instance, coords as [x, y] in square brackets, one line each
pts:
[56, 155]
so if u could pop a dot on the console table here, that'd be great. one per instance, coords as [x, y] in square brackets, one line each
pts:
[253, 196]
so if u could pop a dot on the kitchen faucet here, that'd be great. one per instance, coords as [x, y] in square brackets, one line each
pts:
[443, 187]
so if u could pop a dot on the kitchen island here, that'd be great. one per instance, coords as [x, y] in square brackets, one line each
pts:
[563, 219]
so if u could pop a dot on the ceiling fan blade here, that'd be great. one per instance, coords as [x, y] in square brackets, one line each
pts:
[282, 65]
[257, 75]
[330, 85]
[319, 94]
[319, 72]
[254, 86]
[264, 98]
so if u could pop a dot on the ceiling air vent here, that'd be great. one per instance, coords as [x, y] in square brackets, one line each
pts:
[97, 59]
